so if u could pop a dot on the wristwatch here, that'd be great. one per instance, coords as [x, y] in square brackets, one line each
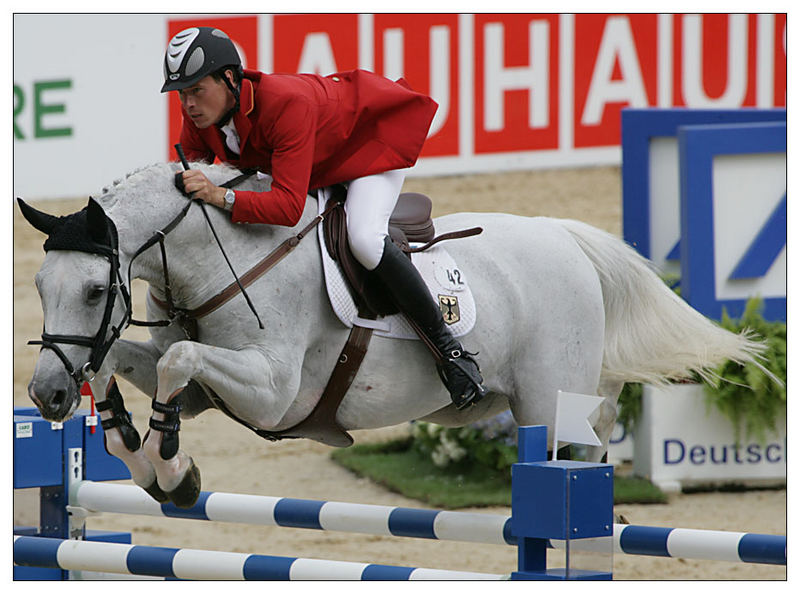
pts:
[230, 198]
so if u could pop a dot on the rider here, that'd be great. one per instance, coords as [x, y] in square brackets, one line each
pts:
[309, 131]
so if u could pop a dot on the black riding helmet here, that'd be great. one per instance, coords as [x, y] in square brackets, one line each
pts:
[197, 52]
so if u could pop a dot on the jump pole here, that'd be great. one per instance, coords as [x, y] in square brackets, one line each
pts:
[361, 518]
[194, 564]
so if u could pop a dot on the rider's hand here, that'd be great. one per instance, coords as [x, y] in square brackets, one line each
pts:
[196, 183]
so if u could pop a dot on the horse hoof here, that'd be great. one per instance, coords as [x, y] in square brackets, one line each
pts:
[187, 492]
[156, 492]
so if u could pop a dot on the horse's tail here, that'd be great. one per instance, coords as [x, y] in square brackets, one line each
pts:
[652, 335]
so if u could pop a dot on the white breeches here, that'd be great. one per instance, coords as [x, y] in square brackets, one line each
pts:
[370, 202]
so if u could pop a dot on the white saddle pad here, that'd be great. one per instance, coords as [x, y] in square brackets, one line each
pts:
[445, 280]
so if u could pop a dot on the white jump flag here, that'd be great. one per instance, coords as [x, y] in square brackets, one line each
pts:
[572, 420]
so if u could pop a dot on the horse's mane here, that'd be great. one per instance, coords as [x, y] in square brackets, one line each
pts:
[117, 182]
[157, 178]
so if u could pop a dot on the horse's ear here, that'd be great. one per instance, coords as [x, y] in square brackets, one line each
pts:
[40, 220]
[97, 222]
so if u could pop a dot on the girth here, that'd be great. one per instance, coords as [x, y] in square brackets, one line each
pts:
[321, 424]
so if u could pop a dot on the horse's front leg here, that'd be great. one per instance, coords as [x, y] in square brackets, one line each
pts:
[121, 438]
[238, 374]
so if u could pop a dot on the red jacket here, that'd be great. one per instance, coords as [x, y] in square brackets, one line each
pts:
[309, 131]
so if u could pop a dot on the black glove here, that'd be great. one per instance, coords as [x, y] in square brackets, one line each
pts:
[179, 184]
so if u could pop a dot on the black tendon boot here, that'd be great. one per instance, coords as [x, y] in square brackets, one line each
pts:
[457, 368]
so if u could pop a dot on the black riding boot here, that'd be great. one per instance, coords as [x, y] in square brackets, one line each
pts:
[458, 370]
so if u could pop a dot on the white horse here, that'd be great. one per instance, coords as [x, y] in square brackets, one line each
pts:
[561, 305]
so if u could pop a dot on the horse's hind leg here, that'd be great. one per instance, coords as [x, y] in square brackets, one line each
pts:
[606, 418]
[559, 355]
[536, 393]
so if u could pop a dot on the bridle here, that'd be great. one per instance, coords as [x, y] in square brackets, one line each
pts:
[98, 343]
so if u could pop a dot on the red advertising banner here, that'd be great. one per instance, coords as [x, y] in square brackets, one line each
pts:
[320, 43]
[616, 66]
[779, 54]
[715, 60]
[528, 84]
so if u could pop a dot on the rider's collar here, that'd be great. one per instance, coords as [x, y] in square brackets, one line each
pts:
[244, 95]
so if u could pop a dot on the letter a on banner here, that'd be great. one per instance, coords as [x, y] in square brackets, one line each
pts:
[572, 420]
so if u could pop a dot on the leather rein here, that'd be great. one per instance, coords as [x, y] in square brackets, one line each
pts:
[187, 318]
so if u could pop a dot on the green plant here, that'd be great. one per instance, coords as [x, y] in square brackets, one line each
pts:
[629, 406]
[491, 443]
[748, 396]
[400, 467]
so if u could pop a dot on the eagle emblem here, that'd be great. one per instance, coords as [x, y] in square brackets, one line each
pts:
[450, 310]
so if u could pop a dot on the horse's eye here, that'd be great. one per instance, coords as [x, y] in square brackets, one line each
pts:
[95, 294]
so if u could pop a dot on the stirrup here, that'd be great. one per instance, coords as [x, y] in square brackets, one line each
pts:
[474, 391]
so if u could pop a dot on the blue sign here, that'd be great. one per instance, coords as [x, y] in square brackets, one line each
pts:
[642, 129]
[733, 217]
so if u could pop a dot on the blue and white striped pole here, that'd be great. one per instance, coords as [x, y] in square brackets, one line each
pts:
[301, 513]
[422, 523]
[709, 545]
[193, 564]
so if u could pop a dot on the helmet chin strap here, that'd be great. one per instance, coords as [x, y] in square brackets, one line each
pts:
[235, 90]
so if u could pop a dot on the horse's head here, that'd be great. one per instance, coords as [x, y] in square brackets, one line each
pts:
[77, 285]
[86, 271]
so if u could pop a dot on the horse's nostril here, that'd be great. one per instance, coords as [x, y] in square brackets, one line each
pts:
[59, 396]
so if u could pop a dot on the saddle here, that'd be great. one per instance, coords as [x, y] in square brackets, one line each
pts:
[410, 223]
